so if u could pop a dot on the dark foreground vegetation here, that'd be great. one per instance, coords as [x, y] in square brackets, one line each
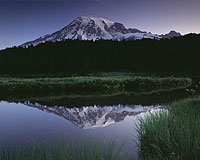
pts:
[62, 150]
[88, 85]
[172, 134]
[177, 55]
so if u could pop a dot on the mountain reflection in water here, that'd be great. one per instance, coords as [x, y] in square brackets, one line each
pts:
[94, 116]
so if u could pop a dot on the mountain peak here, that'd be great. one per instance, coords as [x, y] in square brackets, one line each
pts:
[171, 34]
[95, 28]
[97, 20]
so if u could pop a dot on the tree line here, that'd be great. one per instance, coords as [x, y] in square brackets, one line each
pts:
[176, 55]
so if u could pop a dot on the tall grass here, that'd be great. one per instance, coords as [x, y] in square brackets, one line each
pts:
[172, 134]
[62, 150]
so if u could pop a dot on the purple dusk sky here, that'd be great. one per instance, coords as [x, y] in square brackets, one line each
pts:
[25, 20]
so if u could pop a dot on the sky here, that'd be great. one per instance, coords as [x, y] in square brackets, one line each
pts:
[25, 20]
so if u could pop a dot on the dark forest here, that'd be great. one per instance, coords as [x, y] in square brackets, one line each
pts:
[177, 55]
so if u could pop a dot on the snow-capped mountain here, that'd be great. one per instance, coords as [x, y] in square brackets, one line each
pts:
[93, 116]
[89, 28]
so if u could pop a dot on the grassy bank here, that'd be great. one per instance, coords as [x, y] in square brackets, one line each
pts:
[172, 134]
[62, 150]
[48, 86]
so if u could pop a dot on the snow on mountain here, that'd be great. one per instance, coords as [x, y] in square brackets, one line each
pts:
[93, 116]
[90, 28]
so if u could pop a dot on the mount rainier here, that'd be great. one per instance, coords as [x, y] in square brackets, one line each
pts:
[90, 28]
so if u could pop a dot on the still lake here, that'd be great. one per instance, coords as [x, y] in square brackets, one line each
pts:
[22, 122]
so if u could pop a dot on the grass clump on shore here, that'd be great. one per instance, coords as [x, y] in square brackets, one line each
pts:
[47, 86]
[62, 150]
[172, 134]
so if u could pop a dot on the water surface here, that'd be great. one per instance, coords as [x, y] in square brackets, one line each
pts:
[20, 122]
